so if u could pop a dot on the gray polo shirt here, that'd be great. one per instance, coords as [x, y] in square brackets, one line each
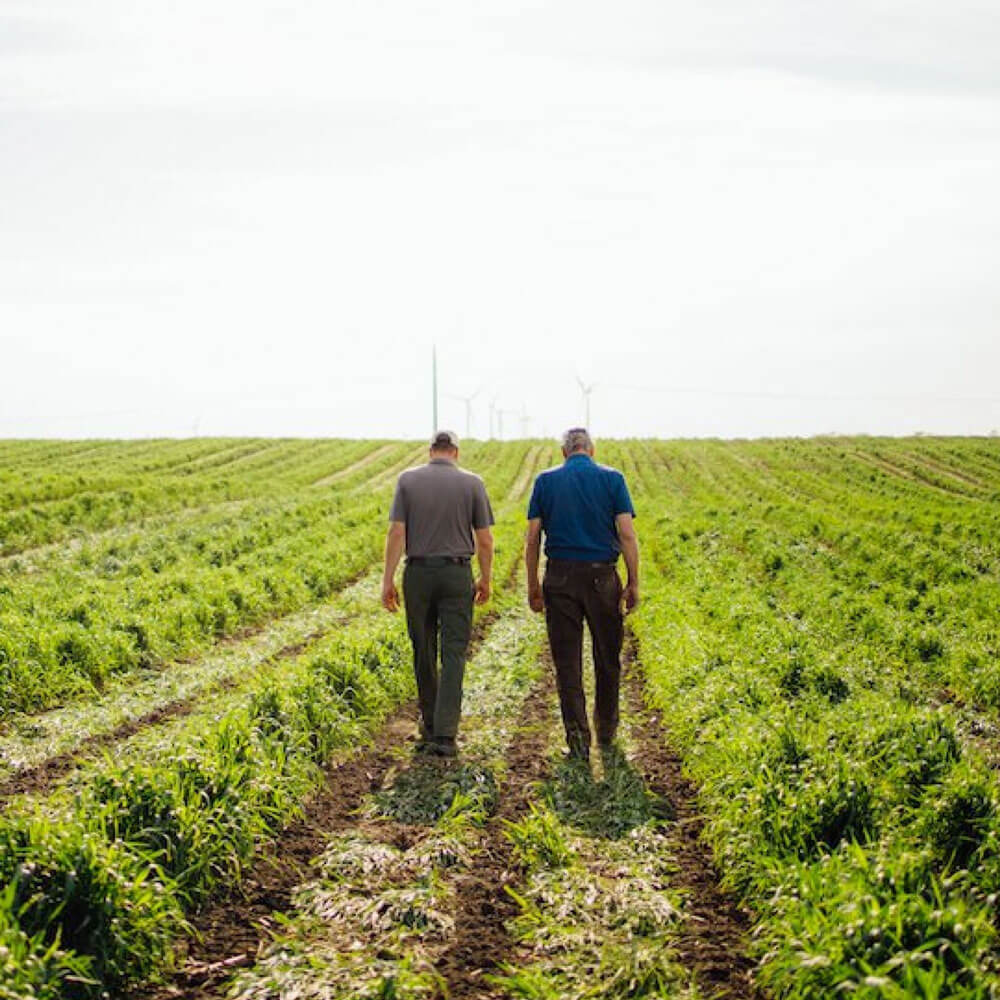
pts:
[441, 505]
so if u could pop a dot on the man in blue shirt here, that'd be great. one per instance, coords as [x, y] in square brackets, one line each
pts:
[586, 513]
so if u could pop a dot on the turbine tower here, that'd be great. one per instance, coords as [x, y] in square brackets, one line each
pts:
[493, 415]
[434, 387]
[586, 390]
[468, 408]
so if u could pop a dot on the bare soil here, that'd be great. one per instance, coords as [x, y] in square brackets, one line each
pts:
[231, 930]
[482, 941]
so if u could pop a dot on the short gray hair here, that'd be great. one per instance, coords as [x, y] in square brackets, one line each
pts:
[577, 439]
[444, 441]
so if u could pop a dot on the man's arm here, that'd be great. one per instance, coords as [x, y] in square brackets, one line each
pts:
[395, 543]
[484, 555]
[630, 550]
[532, 550]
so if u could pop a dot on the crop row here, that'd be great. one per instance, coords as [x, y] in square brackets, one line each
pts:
[121, 606]
[97, 886]
[399, 908]
[228, 676]
[121, 465]
[69, 632]
[107, 883]
[916, 585]
[78, 504]
[845, 805]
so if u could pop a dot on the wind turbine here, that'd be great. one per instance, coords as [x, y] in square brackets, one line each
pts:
[493, 413]
[434, 387]
[500, 414]
[525, 420]
[586, 390]
[468, 408]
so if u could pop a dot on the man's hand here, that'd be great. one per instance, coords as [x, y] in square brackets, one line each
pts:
[532, 549]
[482, 590]
[631, 595]
[390, 596]
[395, 544]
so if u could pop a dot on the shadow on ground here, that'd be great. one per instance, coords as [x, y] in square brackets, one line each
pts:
[431, 788]
[609, 806]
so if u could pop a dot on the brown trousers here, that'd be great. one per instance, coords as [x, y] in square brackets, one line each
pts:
[576, 592]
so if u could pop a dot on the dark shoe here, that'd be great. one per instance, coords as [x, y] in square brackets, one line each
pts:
[445, 747]
[425, 741]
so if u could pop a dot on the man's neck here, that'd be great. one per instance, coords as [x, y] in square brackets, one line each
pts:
[443, 458]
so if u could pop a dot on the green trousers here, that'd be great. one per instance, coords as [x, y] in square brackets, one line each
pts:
[438, 601]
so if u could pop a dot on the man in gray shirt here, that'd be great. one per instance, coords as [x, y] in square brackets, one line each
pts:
[441, 516]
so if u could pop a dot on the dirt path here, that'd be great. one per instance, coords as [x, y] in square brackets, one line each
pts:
[230, 931]
[41, 778]
[526, 474]
[388, 475]
[910, 475]
[947, 470]
[41, 775]
[482, 941]
[233, 930]
[712, 942]
[361, 463]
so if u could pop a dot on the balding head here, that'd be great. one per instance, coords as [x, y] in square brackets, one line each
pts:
[577, 441]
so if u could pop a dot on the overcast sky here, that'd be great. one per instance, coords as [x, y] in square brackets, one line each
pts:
[225, 217]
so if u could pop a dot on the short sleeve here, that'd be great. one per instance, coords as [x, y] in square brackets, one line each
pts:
[622, 500]
[482, 512]
[535, 503]
[397, 512]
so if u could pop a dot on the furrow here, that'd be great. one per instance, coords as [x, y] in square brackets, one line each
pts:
[385, 803]
[357, 466]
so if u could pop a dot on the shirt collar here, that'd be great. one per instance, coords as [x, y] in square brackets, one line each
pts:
[441, 461]
[579, 454]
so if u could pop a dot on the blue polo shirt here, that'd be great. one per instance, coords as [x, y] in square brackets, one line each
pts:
[578, 502]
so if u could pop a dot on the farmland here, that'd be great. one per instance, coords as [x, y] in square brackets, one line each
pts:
[206, 727]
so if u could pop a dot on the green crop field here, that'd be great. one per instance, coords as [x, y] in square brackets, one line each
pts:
[206, 726]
